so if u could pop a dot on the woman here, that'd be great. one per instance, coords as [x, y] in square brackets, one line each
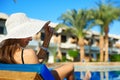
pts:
[20, 30]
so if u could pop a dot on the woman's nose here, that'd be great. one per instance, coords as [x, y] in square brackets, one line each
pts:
[30, 38]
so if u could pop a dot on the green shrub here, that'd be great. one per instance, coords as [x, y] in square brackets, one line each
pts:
[73, 53]
[115, 58]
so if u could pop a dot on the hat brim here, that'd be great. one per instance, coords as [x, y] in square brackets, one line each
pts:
[25, 30]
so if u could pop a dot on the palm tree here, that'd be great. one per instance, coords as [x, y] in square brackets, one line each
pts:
[109, 17]
[78, 21]
[105, 15]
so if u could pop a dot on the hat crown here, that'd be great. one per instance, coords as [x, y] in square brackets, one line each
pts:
[15, 20]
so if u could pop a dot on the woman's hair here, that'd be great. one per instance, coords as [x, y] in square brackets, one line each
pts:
[8, 49]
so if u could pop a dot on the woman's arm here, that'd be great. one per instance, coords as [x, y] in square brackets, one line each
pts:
[42, 54]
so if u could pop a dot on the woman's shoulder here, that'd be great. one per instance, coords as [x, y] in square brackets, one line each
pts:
[28, 52]
[30, 56]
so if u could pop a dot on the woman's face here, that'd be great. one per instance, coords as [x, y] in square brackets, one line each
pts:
[25, 41]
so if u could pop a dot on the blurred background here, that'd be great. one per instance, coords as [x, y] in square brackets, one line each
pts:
[86, 33]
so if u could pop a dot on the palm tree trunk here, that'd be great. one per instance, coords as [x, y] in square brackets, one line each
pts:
[106, 30]
[101, 48]
[106, 48]
[81, 44]
[59, 50]
[90, 54]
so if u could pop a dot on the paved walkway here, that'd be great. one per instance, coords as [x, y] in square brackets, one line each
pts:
[85, 63]
[91, 66]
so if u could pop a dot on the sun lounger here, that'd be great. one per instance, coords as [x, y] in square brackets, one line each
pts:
[17, 75]
[40, 69]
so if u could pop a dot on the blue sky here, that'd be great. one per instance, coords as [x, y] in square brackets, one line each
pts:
[50, 9]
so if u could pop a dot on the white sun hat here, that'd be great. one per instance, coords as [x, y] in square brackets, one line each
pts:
[18, 25]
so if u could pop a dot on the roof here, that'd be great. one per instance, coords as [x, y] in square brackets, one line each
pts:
[3, 16]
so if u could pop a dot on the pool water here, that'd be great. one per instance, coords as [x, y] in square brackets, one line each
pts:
[111, 75]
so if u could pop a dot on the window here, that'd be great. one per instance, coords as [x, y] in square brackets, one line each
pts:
[42, 36]
[63, 38]
[1, 30]
[2, 26]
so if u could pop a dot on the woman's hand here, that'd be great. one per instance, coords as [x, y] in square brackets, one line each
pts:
[48, 30]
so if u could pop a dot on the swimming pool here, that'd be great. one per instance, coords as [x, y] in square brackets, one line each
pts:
[111, 75]
[101, 72]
